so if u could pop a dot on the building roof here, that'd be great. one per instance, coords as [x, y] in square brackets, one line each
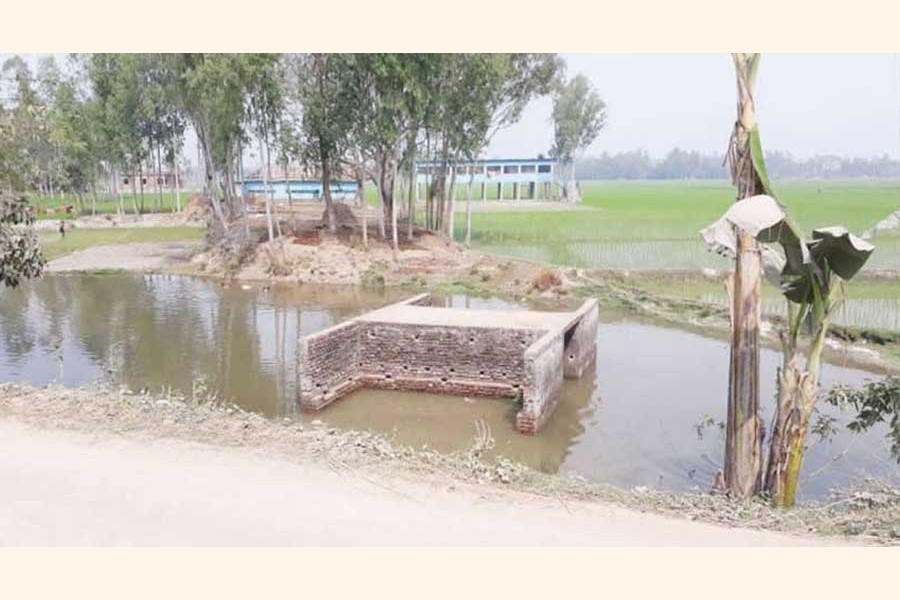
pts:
[492, 161]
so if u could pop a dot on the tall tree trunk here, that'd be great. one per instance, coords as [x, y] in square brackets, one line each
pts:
[134, 204]
[117, 191]
[359, 176]
[387, 178]
[451, 204]
[159, 183]
[469, 211]
[141, 183]
[744, 430]
[177, 180]
[326, 193]
[287, 182]
[93, 198]
[413, 191]
[267, 191]
[209, 171]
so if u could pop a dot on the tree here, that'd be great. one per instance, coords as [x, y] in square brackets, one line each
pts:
[20, 251]
[265, 112]
[28, 153]
[390, 89]
[578, 116]
[811, 275]
[212, 90]
[471, 97]
[117, 86]
[329, 109]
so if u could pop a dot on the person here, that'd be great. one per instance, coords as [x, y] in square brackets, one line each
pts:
[62, 228]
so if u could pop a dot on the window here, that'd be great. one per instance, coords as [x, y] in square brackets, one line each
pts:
[143, 181]
[527, 168]
[493, 169]
[125, 181]
[461, 170]
[511, 169]
[477, 170]
[544, 168]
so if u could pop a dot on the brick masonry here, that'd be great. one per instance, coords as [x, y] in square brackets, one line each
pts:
[526, 364]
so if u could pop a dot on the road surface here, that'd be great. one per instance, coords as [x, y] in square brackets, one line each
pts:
[65, 488]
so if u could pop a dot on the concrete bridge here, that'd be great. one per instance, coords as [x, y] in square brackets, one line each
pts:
[522, 355]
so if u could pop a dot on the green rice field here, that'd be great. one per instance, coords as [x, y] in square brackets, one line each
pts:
[650, 227]
[654, 225]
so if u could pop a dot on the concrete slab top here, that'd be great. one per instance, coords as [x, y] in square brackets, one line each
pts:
[461, 317]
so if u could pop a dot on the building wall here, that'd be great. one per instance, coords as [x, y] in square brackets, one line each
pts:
[300, 189]
[499, 171]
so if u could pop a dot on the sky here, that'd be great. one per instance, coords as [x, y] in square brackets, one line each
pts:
[807, 104]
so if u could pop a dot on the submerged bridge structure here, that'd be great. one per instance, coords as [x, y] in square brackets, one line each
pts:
[411, 345]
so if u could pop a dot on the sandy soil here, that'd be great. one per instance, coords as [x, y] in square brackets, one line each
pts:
[139, 256]
[63, 488]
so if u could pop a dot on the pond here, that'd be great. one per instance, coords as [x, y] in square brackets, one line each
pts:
[648, 415]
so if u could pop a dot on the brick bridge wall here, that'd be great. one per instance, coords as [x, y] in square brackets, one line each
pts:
[527, 365]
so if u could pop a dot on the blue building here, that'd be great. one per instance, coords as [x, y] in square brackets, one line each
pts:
[300, 189]
[511, 176]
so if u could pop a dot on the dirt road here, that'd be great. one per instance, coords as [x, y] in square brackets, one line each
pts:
[65, 488]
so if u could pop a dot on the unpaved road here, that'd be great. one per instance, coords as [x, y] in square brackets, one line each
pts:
[64, 488]
[138, 256]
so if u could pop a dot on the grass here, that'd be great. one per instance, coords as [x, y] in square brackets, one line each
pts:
[106, 204]
[55, 246]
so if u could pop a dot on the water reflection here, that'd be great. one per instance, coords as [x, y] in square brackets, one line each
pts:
[633, 423]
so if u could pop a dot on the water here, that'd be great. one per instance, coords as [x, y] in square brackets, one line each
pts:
[635, 421]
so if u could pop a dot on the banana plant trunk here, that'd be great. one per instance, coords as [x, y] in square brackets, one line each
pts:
[743, 434]
[798, 390]
[743, 437]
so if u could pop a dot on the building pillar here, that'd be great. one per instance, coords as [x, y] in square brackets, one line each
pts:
[500, 191]
[532, 191]
[516, 187]
[484, 190]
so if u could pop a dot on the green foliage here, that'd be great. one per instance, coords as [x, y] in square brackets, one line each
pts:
[330, 106]
[20, 253]
[578, 116]
[876, 402]
[759, 161]
[373, 276]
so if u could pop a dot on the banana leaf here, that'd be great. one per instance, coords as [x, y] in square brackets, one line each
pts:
[799, 264]
[844, 252]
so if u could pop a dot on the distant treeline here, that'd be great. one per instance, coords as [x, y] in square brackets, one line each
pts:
[684, 164]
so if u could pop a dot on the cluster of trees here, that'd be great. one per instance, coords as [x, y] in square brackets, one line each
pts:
[369, 116]
[684, 164]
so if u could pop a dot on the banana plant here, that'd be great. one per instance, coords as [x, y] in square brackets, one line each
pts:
[811, 274]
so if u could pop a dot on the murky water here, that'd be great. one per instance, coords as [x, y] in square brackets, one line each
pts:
[636, 421]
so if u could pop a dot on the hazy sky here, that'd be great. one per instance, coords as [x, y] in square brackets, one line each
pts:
[807, 104]
[844, 104]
